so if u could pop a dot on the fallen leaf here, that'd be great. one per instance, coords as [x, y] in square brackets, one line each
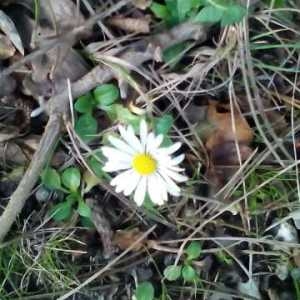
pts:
[220, 117]
[227, 154]
[125, 238]
[136, 25]
[102, 225]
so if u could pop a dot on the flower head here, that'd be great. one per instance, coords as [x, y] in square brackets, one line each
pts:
[144, 165]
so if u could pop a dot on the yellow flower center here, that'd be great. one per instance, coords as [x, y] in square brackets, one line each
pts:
[144, 164]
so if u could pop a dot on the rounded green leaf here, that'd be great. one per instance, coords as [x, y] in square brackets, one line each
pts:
[173, 272]
[84, 104]
[86, 127]
[160, 11]
[96, 166]
[193, 251]
[71, 179]
[144, 291]
[86, 222]
[209, 14]
[84, 210]
[61, 211]
[105, 95]
[51, 178]
[188, 273]
[164, 124]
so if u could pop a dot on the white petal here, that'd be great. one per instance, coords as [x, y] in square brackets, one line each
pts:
[171, 186]
[111, 166]
[158, 141]
[176, 176]
[113, 153]
[143, 133]
[164, 193]
[119, 144]
[132, 184]
[162, 183]
[177, 160]
[173, 148]
[154, 190]
[140, 191]
[122, 179]
[132, 140]
[150, 143]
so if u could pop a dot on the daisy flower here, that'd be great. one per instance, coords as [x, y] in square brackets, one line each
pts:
[144, 165]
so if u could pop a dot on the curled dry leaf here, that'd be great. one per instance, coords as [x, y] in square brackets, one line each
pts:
[11, 152]
[136, 25]
[125, 238]
[9, 28]
[224, 131]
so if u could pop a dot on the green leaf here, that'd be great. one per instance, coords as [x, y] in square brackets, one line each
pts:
[233, 14]
[118, 112]
[172, 55]
[173, 272]
[71, 179]
[164, 124]
[96, 166]
[194, 250]
[188, 273]
[276, 3]
[84, 210]
[84, 104]
[86, 127]
[209, 14]
[183, 8]
[86, 222]
[160, 11]
[105, 95]
[61, 211]
[51, 178]
[197, 3]
[144, 291]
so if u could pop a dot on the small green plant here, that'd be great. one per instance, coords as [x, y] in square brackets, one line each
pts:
[270, 193]
[204, 11]
[224, 11]
[104, 97]
[185, 271]
[69, 182]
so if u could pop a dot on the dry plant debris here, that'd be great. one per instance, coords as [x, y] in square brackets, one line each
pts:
[149, 149]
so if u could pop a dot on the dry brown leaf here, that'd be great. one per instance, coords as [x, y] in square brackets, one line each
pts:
[125, 238]
[136, 25]
[141, 4]
[227, 154]
[220, 117]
